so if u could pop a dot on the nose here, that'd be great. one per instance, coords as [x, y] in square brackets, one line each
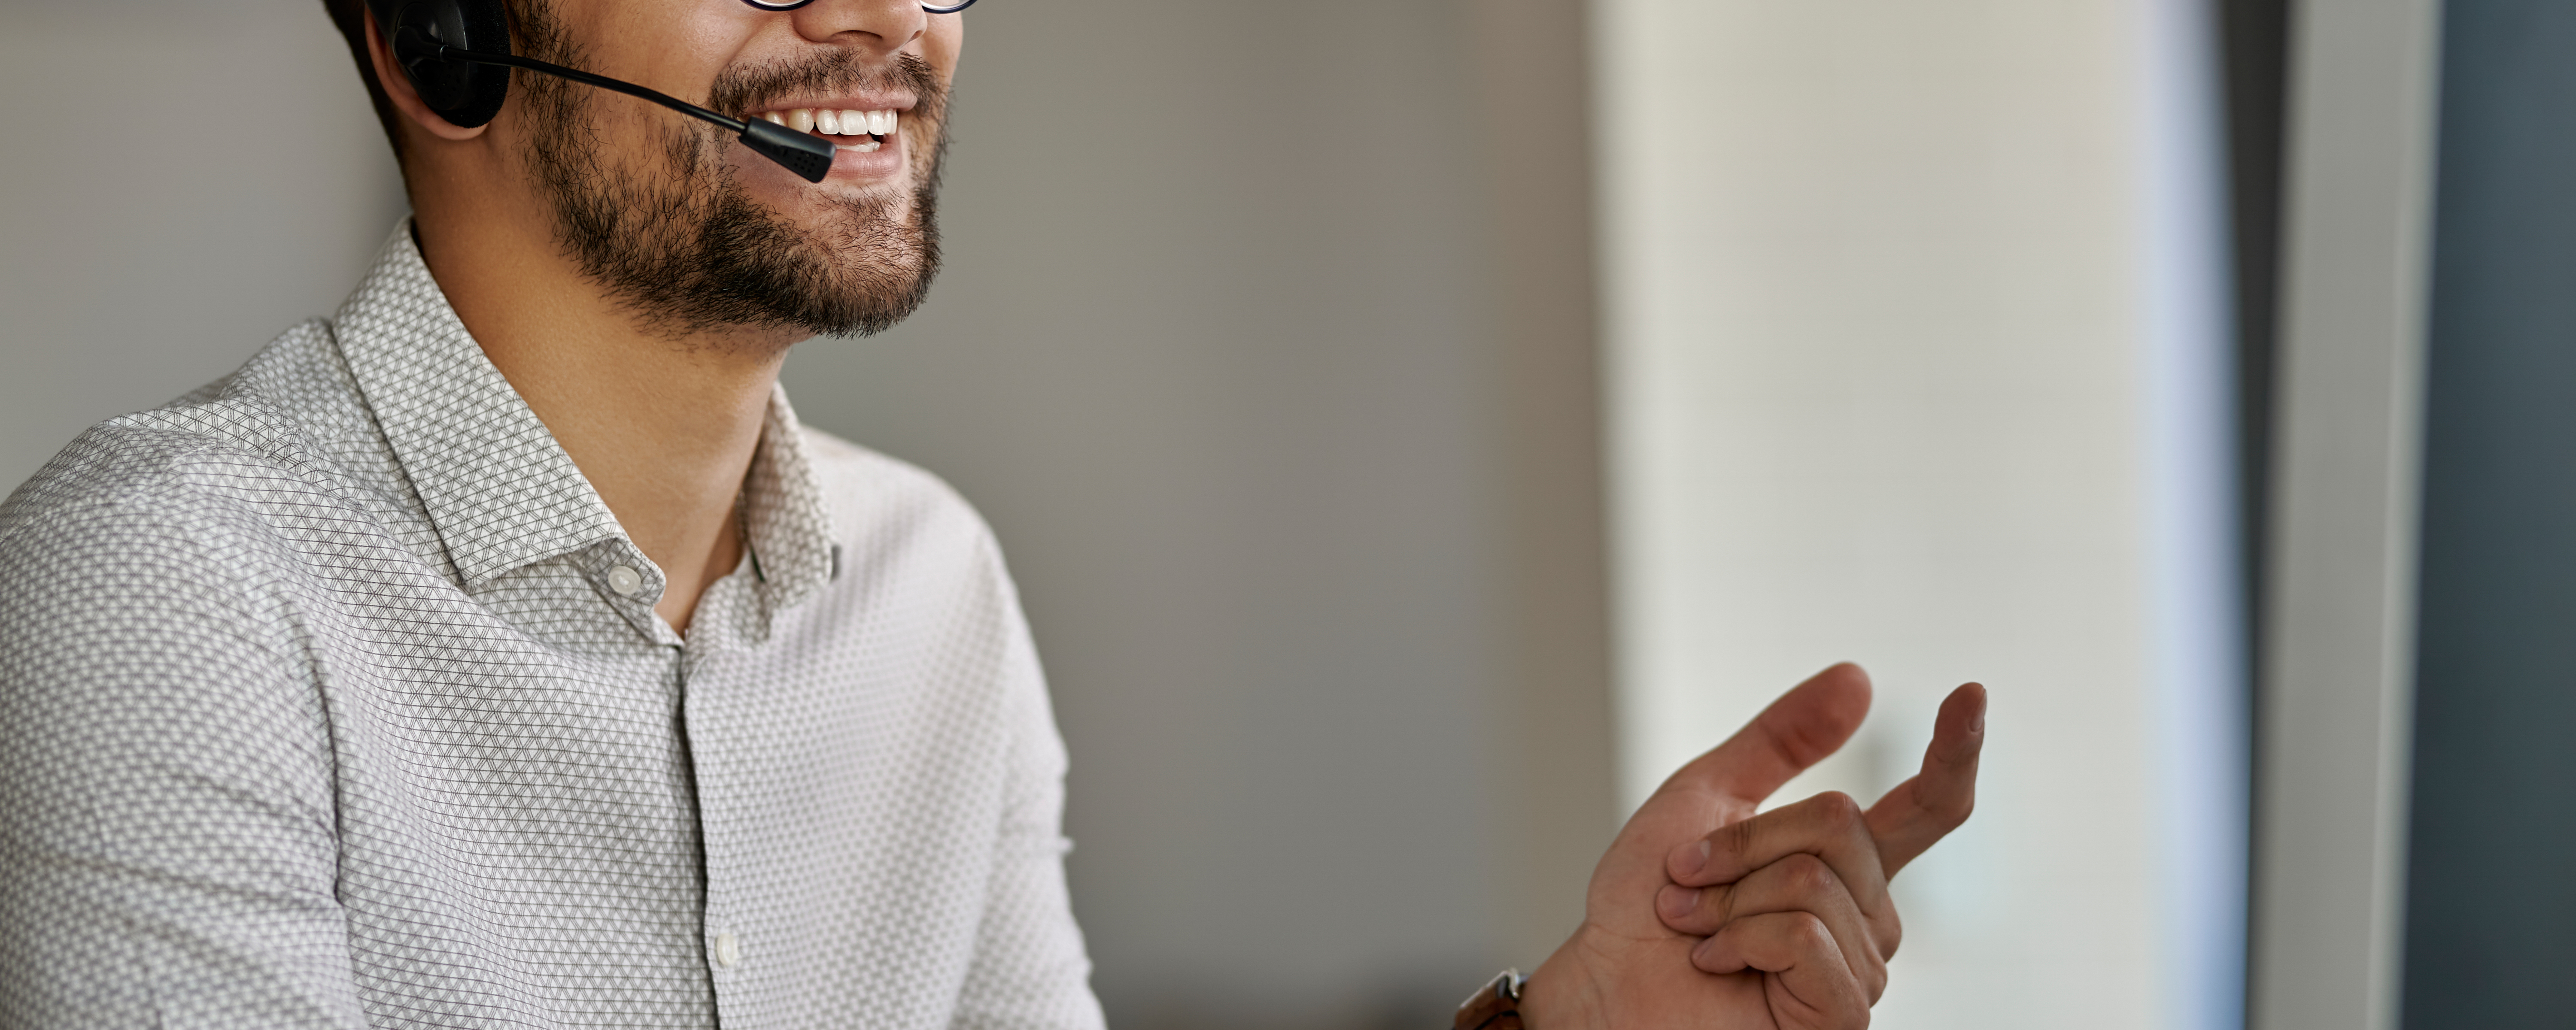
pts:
[879, 26]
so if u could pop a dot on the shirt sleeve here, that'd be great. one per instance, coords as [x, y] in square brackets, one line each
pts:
[1030, 971]
[167, 849]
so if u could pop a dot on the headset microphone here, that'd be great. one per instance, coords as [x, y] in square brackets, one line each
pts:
[457, 55]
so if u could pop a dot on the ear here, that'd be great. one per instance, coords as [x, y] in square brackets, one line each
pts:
[405, 96]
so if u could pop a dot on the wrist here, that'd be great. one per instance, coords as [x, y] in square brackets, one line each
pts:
[1557, 996]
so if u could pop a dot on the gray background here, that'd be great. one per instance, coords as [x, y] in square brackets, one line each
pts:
[1265, 343]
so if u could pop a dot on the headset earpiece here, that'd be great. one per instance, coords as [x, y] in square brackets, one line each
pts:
[463, 93]
[457, 55]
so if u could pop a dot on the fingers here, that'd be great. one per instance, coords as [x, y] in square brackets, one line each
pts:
[1798, 883]
[1809, 985]
[1922, 810]
[1829, 826]
[1804, 725]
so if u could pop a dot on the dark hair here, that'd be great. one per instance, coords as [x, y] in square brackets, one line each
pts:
[351, 17]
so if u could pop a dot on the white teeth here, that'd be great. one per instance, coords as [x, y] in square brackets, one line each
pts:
[832, 121]
[862, 146]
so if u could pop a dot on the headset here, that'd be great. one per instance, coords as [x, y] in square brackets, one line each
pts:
[457, 55]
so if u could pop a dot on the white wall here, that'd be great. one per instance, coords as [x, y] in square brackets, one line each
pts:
[1915, 358]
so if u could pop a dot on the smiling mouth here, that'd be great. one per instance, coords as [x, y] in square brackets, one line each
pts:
[861, 131]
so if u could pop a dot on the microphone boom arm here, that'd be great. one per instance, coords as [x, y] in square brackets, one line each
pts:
[805, 154]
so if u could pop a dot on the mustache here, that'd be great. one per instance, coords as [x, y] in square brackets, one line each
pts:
[742, 88]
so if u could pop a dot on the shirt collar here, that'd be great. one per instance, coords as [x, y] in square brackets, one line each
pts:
[498, 489]
[783, 514]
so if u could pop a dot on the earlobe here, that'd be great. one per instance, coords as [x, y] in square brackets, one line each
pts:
[406, 97]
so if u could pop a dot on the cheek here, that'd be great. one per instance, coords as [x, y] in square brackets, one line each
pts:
[676, 46]
[941, 44]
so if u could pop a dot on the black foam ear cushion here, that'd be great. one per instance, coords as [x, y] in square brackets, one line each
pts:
[465, 94]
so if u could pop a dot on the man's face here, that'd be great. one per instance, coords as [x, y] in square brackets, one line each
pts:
[691, 231]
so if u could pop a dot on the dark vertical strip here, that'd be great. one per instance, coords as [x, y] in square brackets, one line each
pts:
[2254, 40]
[2492, 845]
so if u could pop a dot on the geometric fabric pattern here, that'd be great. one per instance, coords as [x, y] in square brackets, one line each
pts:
[331, 695]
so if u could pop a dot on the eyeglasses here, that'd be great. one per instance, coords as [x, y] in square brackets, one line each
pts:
[790, 5]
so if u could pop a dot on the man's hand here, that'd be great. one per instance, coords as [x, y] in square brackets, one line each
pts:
[1702, 915]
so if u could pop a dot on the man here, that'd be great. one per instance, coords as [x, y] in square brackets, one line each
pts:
[501, 652]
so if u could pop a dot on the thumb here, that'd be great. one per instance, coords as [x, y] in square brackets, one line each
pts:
[1922, 810]
[1798, 730]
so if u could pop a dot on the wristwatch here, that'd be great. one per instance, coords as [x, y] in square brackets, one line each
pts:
[1496, 1007]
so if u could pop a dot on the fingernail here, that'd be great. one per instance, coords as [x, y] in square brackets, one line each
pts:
[1676, 901]
[1692, 858]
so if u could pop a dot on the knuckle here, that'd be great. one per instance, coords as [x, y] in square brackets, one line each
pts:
[1890, 935]
[1806, 874]
[1838, 809]
[1810, 933]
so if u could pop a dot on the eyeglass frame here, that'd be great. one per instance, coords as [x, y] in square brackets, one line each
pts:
[790, 5]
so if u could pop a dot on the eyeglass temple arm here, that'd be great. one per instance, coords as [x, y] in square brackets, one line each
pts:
[805, 154]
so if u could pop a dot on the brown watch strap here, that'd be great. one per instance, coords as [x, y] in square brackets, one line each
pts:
[1496, 1007]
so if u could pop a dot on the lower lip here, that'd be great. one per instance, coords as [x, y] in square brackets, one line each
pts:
[856, 166]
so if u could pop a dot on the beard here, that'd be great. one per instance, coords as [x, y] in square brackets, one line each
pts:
[684, 248]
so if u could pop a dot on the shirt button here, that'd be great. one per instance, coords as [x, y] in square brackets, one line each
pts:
[728, 950]
[624, 579]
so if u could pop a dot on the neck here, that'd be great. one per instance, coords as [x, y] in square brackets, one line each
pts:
[663, 428]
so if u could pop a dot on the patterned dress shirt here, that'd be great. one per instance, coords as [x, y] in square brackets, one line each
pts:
[331, 695]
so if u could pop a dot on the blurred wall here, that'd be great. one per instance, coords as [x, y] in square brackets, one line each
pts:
[1918, 356]
[2340, 579]
[169, 202]
[1265, 342]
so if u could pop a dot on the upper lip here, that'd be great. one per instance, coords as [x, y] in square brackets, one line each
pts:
[882, 102]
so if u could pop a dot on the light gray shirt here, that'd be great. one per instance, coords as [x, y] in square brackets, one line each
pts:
[332, 695]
